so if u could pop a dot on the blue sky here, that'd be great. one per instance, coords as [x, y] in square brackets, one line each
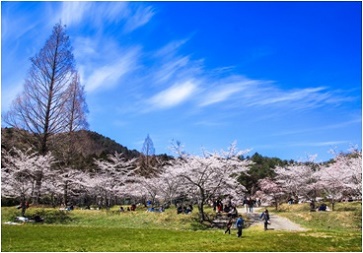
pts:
[281, 78]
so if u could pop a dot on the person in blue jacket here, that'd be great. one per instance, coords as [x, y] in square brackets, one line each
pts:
[266, 217]
[239, 225]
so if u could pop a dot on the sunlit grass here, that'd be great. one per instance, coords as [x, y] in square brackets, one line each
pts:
[346, 217]
[101, 230]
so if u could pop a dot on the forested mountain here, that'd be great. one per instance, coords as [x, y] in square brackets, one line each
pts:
[89, 145]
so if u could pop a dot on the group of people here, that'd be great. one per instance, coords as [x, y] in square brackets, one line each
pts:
[249, 203]
[131, 208]
[228, 208]
[157, 209]
[322, 208]
[184, 209]
[240, 223]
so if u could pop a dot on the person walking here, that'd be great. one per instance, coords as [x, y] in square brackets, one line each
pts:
[266, 217]
[229, 225]
[251, 204]
[245, 204]
[239, 225]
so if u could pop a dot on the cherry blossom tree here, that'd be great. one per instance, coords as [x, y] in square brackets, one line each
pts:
[270, 191]
[20, 172]
[170, 188]
[342, 177]
[66, 185]
[163, 188]
[298, 179]
[152, 187]
[203, 178]
[114, 176]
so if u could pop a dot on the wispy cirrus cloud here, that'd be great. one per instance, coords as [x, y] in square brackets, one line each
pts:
[222, 95]
[104, 67]
[138, 18]
[171, 65]
[251, 93]
[171, 69]
[174, 95]
[230, 89]
[307, 97]
[225, 89]
[225, 86]
[111, 72]
[170, 50]
[297, 99]
[101, 58]
[98, 14]
[317, 144]
[72, 13]
[357, 120]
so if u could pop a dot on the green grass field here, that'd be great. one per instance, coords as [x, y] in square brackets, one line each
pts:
[92, 230]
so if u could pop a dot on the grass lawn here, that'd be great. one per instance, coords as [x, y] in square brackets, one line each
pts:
[92, 230]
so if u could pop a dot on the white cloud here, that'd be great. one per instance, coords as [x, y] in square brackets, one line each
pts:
[170, 65]
[318, 144]
[169, 69]
[170, 49]
[280, 96]
[174, 95]
[323, 128]
[226, 89]
[296, 99]
[109, 75]
[98, 13]
[140, 17]
[86, 46]
[114, 11]
[72, 12]
[220, 95]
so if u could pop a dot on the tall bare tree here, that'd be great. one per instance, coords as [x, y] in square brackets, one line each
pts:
[52, 100]
[148, 164]
[40, 108]
[74, 112]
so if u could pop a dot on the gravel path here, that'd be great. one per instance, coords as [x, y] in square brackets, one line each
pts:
[277, 222]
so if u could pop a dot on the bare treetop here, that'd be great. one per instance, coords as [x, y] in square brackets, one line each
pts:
[148, 147]
[42, 108]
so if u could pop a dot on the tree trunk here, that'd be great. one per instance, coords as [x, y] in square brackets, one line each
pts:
[201, 205]
[65, 193]
[276, 204]
[38, 184]
[332, 204]
[23, 206]
[201, 211]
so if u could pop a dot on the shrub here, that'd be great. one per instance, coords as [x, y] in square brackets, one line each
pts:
[53, 216]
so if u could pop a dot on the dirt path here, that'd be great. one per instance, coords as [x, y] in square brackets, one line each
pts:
[277, 222]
